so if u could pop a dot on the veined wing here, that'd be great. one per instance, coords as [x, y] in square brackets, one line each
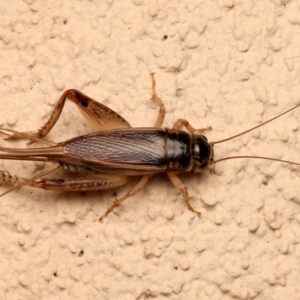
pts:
[127, 149]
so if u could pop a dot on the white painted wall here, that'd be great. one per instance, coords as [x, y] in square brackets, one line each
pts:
[229, 64]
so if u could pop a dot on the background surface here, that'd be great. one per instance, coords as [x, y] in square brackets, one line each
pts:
[229, 64]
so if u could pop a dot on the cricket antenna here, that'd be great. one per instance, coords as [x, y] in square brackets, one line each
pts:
[262, 124]
[212, 161]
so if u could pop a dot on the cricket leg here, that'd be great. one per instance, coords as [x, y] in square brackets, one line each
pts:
[18, 182]
[44, 130]
[81, 183]
[132, 192]
[23, 135]
[184, 123]
[7, 179]
[162, 111]
[84, 182]
[183, 190]
[96, 114]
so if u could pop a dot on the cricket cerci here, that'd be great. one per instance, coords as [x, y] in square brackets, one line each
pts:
[115, 151]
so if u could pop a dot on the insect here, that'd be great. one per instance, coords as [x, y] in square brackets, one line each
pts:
[114, 152]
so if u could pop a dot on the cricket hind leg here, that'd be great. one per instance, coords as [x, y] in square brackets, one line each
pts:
[96, 114]
[24, 135]
[7, 179]
[99, 116]
[92, 182]
[184, 192]
[82, 183]
[45, 129]
[143, 181]
[18, 182]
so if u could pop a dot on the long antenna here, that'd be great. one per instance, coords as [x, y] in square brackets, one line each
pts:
[264, 123]
[212, 162]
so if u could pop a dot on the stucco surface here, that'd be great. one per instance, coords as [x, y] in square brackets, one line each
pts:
[227, 64]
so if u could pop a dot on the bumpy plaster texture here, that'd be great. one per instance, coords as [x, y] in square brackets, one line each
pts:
[230, 64]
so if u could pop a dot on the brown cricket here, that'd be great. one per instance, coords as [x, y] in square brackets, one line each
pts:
[114, 152]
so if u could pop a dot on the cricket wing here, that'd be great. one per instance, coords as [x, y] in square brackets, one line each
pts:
[129, 151]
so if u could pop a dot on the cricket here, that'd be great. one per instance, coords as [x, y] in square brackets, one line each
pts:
[115, 152]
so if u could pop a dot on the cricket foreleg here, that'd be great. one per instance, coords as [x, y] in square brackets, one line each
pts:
[132, 192]
[183, 190]
[162, 111]
[184, 123]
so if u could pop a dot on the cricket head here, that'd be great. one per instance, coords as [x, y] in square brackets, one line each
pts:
[202, 152]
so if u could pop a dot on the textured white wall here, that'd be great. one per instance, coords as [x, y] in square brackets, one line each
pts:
[229, 64]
